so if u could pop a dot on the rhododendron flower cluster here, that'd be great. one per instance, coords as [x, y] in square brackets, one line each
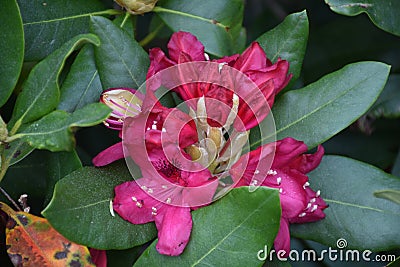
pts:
[189, 159]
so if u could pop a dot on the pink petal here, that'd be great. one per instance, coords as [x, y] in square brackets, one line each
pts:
[158, 62]
[253, 58]
[174, 226]
[282, 240]
[184, 42]
[287, 150]
[99, 257]
[111, 154]
[133, 204]
[308, 162]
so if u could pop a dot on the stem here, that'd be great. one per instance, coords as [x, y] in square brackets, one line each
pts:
[10, 199]
[14, 137]
[127, 16]
[146, 40]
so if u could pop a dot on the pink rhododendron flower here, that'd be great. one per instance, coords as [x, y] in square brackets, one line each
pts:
[187, 160]
[299, 202]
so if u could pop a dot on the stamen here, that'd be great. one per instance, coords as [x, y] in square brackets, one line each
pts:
[144, 187]
[280, 190]
[318, 193]
[257, 172]
[164, 130]
[306, 184]
[308, 205]
[206, 56]
[154, 209]
[164, 187]
[220, 66]
[168, 200]
[153, 213]
[272, 172]
[111, 208]
[154, 127]
[278, 180]
[134, 199]
[139, 205]
[313, 200]
[150, 191]
[314, 208]
[302, 214]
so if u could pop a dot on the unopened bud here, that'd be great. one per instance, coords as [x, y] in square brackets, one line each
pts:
[137, 7]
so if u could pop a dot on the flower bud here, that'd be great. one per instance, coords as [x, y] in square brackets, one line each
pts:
[137, 7]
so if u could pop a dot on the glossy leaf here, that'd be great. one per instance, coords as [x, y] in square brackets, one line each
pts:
[388, 103]
[60, 165]
[322, 109]
[229, 232]
[383, 14]
[55, 130]
[80, 210]
[40, 93]
[288, 41]
[82, 86]
[32, 241]
[121, 61]
[348, 186]
[217, 24]
[389, 194]
[12, 48]
[51, 23]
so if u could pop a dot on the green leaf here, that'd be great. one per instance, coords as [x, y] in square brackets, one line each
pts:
[12, 48]
[51, 23]
[55, 130]
[388, 103]
[348, 186]
[40, 93]
[396, 165]
[229, 232]
[288, 41]
[82, 86]
[60, 165]
[322, 109]
[383, 14]
[217, 24]
[16, 151]
[121, 61]
[80, 210]
[389, 194]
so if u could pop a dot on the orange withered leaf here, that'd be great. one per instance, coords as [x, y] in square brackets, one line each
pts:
[31, 241]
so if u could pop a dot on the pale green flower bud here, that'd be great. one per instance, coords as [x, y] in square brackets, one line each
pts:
[137, 7]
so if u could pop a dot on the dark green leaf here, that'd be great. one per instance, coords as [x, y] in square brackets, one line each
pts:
[348, 186]
[322, 109]
[49, 24]
[389, 194]
[12, 48]
[121, 61]
[217, 24]
[82, 85]
[123, 258]
[288, 41]
[16, 151]
[388, 103]
[60, 164]
[80, 210]
[229, 232]
[383, 14]
[40, 93]
[54, 131]
[396, 165]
